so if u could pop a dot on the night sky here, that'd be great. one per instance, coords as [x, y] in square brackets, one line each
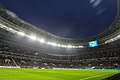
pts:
[66, 18]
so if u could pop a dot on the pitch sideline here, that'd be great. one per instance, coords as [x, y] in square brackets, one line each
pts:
[95, 76]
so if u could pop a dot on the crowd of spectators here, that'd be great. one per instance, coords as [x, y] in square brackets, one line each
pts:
[13, 54]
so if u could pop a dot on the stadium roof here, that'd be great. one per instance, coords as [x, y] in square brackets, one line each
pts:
[29, 28]
[90, 20]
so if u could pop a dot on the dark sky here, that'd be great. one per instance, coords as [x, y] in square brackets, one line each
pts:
[66, 18]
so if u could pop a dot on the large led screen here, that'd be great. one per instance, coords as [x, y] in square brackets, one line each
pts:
[93, 44]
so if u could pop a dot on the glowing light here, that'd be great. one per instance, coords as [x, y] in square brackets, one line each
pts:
[21, 33]
[80, 47]
[118, 36]
[41, 40]
[36, 53]
[58, 45]
[63, 46]
[52, 43]
[69, 46]
[33, 37]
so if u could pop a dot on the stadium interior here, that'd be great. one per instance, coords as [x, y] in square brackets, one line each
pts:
[26, 46]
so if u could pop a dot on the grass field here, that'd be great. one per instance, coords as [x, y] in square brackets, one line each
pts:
[47, 74]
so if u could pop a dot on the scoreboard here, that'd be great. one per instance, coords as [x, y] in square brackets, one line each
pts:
[93, 44]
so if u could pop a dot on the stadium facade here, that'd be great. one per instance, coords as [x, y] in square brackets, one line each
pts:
[22, 44]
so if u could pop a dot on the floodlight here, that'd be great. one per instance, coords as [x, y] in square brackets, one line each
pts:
[73, 46]
[42, 40]
[32, 37]
[58, 45]
[69, 46]
[118, 36]
[21, 33]
[52, 44]
[80, 46]
[63, 46]
[10, 29]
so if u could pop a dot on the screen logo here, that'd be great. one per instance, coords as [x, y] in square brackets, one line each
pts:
[93, 44]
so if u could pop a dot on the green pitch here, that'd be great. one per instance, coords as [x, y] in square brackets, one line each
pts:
[46, 74]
